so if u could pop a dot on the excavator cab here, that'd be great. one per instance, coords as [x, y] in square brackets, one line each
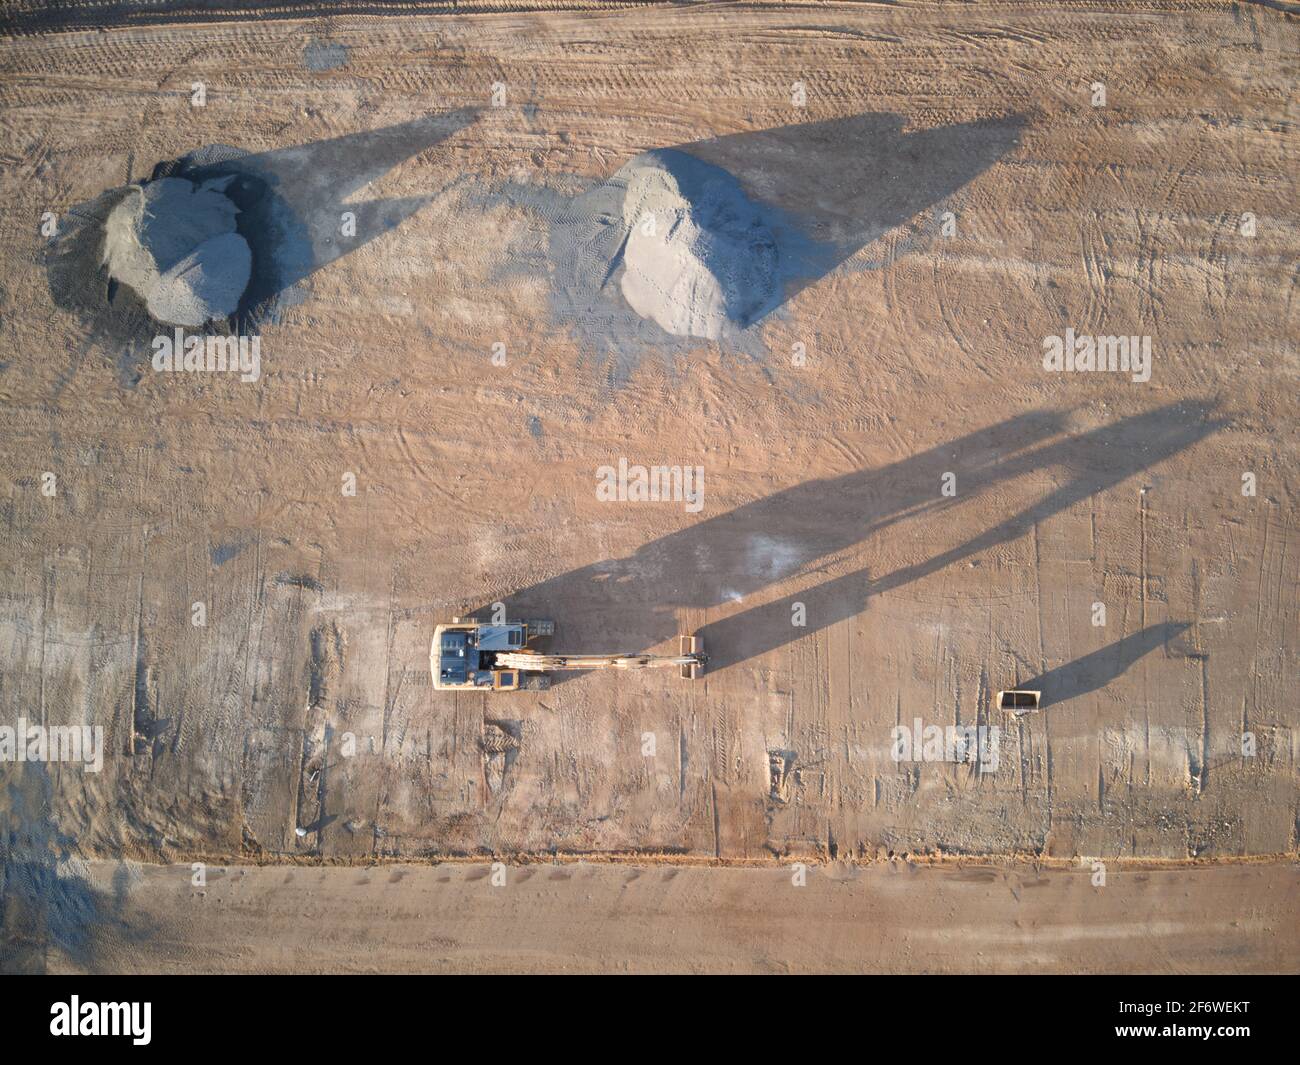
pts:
[464, 655]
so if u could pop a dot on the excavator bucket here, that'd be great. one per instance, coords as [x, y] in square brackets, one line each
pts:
[691, 645]
[1019, 700]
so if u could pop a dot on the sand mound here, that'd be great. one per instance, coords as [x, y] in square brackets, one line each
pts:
[175, 244]
[708, 259]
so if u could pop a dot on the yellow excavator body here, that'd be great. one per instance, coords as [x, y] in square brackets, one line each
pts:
[470, 655]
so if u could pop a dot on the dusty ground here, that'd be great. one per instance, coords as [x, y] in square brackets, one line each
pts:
[476, 482]
[890, 917]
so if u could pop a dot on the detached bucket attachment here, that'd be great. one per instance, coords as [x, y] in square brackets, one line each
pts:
[1019, 701]
[692, 645]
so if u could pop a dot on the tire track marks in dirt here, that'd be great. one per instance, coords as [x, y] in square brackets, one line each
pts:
[463, 505]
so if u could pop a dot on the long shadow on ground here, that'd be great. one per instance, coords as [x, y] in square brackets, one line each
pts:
[841, 184]
[48, 911]
[632, 603]
[1094, 671]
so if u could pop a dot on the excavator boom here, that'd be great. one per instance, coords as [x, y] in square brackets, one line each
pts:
[553, 663]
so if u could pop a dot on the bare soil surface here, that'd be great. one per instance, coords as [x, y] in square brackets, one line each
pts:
[965, 200]
[891, 917]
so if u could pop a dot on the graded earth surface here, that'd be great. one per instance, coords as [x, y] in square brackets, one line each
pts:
[903, 510]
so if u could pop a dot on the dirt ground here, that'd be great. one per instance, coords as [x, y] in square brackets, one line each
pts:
[983, 202]
[891, 917]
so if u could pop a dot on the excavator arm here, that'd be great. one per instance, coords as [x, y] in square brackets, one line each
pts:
[553, 663]
[690, 660]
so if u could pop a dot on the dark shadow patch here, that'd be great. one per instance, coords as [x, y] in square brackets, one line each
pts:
[842, 184]
[324, 55]
[737, 554]
[320, 824]
[299, 580]
[1102, 458]
[46, 908]
[223, 553]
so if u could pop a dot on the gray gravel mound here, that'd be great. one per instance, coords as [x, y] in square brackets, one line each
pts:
[175, 244]
[699, 255]
[206, 284]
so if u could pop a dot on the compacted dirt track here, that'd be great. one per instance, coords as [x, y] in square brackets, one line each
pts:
[893, 917]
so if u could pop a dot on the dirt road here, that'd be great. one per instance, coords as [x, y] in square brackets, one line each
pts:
[602, 918]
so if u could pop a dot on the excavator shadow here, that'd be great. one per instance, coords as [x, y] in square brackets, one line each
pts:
[635, 602]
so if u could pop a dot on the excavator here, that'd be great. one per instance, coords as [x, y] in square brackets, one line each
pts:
[470, 655]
